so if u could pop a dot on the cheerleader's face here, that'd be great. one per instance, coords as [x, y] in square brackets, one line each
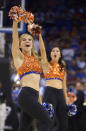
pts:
[26, 43]
[55, 54]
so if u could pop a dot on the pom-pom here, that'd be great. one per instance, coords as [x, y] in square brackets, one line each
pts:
[28, 17]
[71, 109]
[16, 13]
[19, 14]
[48, 107]
[35, 29]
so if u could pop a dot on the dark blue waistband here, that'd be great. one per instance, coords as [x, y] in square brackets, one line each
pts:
[54, 78]
[29, 73]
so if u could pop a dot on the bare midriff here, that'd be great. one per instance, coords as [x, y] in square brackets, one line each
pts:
[54, 83]
[31, 80]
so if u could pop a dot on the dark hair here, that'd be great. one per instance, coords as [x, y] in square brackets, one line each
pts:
[61, 61]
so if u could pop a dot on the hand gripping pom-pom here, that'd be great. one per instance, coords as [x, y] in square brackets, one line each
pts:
[34, 29]
[48, 107]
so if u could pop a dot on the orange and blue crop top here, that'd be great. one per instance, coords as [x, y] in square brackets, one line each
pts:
[54, 72]
[30, 65]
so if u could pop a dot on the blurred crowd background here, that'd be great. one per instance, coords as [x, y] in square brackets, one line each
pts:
[64, 24]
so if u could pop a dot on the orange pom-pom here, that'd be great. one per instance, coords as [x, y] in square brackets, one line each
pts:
[18, 14]
[15, 13]
[29, 18]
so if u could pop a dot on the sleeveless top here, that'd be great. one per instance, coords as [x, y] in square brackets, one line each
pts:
[29, 65]
[54, 72]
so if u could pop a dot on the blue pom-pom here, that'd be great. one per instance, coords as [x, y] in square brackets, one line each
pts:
[48, 107]
[72, 109]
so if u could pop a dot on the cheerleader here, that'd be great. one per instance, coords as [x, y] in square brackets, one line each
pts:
[55, 75]
[28, 67]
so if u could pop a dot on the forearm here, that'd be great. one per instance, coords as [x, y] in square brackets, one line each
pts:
[44, 61]
[65, 85]
[65, 92]
[40, 99]
[42, 48]
[15, 35]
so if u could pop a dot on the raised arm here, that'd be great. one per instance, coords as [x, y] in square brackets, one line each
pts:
[42, 48]
[44, 61]
[36, 30]
[15, 43]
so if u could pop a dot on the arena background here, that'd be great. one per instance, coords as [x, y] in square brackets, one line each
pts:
[63, 21]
